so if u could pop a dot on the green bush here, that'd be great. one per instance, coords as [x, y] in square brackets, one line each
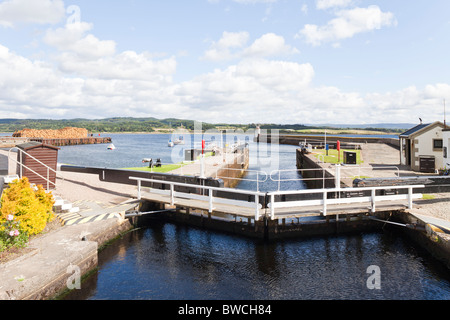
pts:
[25, 211]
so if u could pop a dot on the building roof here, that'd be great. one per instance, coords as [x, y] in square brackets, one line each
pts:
[420, 127]
[34, 144]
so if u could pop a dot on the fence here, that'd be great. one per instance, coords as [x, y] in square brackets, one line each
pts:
[272, 204]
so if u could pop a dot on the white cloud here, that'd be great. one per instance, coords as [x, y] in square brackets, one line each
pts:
[221, 50]
[252, 90]
[254, 1]
[347, 24]
[34, 11]
[268, 45]
[327, 4]
[125, 65]
[232, 46]
[72, 38]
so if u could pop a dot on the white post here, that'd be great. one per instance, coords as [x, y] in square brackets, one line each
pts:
[257, 181]
[139, 189]
[279, 180]
[256, 207]
[210, 201]
[410, 198]
[324, 203]
[202, 166]
[171, 195]
[272, 206]
[373, 200]
[337, 176]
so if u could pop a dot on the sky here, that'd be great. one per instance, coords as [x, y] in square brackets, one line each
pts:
[226, 61]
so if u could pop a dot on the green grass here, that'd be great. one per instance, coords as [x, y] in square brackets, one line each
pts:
[332, 156]
[166, 167]
[163, 169]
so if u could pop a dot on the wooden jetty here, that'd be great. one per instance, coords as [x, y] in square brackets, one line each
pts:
[72, 141]
[11, 142]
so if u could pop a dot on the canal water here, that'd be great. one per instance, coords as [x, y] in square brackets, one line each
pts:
[166, 261]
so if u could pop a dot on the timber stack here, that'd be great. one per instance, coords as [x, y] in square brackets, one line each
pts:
[61, 137]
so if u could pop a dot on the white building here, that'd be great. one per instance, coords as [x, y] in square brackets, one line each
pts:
[446, 148]
[421, 147]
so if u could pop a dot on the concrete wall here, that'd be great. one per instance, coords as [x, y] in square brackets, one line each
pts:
[306, 162]
[346, 142]
[231, 173]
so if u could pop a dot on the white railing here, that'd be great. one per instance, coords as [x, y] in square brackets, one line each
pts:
[324, 201]
[359, 168]
[276, 175]
[261, 176]
[21, 166]
[210, 198]
[373, 199]
[273, 176]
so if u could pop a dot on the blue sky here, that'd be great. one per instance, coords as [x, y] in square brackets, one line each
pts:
[235, 61]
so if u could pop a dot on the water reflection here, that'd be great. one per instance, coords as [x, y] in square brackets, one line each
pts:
[167, 261]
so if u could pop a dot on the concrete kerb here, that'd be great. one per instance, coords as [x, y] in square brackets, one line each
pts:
[57, 259]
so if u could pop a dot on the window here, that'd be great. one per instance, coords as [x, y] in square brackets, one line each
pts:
[437, 144]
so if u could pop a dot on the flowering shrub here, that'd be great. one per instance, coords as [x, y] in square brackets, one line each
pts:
[10, 236]
[31, 209]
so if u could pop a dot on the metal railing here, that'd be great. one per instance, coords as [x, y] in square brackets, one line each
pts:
[261, 176]
[273, 205]
[359, 168]
[276, 175]
[21, 166]
[210, 197]
[279, 179]
[324, 201]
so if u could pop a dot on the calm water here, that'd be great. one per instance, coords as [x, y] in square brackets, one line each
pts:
[173, 262]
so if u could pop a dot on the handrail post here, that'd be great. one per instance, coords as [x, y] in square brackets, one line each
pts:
[324, 202]
[337, 181]
[139, 189]
[171, 194]
[279, 179]
[257, 181]
[323, 178]
[373, 194]
[210, 201]
[256, 207]
[272, 206]
[410, 198]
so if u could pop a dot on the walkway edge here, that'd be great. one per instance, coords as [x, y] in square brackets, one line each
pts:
[58, 258]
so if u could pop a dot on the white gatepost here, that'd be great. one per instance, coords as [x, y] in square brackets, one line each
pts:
[410, 198]
[337, 176]
[272, 206]
[257, 208]
[139, 189]
[172, 200]
[373, 195]
[210, 201]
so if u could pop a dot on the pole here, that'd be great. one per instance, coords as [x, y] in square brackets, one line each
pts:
[202, 164]
[445, 125]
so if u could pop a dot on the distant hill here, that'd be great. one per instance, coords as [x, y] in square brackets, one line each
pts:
[374, 125]
[150, 124]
